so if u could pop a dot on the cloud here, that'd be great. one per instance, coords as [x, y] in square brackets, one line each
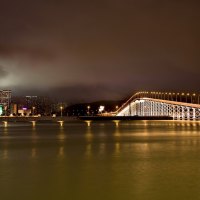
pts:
[3, 73]
[76, 93]
[86, 50]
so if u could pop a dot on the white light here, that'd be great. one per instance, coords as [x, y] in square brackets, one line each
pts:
[101, 108]
[139, 101]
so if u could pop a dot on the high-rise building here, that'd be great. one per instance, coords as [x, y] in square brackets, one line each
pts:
[13, 109]
[5, 98]
[38, 104]
[31, 101]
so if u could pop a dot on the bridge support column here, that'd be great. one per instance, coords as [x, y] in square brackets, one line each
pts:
[33, 123]
[188, 113]
[182, 112]
[116, 123]
[5, 123]
[88, 122]
[173, 111]
[61, 123]
[193, 114]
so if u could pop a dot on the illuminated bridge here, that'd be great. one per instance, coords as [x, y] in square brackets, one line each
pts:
[179, 106]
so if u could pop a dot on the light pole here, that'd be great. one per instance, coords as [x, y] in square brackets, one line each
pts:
[162, 95]
[61, 109]
[194, 95]
[33, 110]
[88, 110]
[170, 96]
[176, 96]
[156, 95]
[188, 94]
[173, 95]
[6, 109]
[181, 97]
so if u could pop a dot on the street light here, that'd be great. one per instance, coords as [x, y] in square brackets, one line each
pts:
[6, 109]
[188, 94]
[88, 110]
[170, 95]
[173, 94]
[162, 95]
[181, 96]
[176, 96]
[33, 110]
[194, 97]
[61, 109]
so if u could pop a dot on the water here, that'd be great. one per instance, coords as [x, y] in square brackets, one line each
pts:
[140, 160]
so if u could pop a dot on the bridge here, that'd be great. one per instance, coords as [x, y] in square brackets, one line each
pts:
[179, 106]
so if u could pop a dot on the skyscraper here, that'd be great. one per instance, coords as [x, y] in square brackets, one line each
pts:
[5, 100]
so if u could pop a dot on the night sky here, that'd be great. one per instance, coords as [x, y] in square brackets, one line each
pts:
[84, 50]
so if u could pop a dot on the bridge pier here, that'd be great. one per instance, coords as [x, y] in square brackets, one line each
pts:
[61, 123]
[116, 122]
[33, 123]
[5, 123]
[88, 122]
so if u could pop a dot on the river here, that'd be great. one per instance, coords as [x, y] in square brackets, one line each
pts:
[132, 160]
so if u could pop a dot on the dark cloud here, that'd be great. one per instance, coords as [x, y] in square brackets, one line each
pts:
[77, 93]
[105, 48]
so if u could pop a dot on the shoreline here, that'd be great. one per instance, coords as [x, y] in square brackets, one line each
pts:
[80, 118]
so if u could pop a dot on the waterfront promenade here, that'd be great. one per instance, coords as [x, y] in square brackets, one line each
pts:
[82, 118]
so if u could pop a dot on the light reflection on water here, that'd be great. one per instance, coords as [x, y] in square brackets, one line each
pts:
[105, 160]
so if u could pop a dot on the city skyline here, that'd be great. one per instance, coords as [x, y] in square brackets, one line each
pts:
[97, 50]
[99, 99]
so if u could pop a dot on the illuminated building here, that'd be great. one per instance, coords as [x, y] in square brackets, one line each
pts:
[31, 101]
[5, 100]
[14, 109]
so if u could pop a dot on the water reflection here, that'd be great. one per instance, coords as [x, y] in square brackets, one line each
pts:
[5, 154]
[61, 134]
[117, 148]
[33, 124]
[5, 123]
[5, 131]
[102, 148]
[34, 135]
[33, 152]
[117, 132]
[88, 134]
[131, 160]
[116, 122]
[61, 123]
[61, 151]
[88, 122]
[88, 152]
